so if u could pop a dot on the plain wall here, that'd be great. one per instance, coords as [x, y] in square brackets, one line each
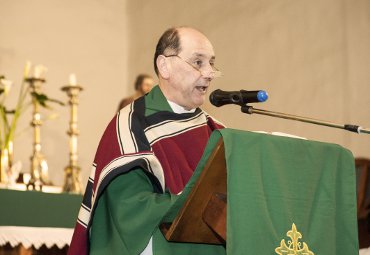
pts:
[312, 57]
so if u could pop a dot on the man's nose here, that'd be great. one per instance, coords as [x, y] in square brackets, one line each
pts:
[208, 73]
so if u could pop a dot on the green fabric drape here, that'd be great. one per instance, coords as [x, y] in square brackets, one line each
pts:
[38, 209]
[273, 182]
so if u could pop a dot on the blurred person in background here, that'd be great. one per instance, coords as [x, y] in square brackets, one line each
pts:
[143, 84]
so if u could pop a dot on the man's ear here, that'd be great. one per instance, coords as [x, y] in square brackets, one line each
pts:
[163, 67]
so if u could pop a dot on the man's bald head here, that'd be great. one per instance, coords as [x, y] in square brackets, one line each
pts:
[170, 43]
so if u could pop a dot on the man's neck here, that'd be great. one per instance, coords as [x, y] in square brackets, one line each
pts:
[178, 108]
[175, 107]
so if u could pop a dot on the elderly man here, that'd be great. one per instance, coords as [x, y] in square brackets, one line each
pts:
[148, 153]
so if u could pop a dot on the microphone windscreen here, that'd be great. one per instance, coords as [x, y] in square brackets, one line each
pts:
[219, 97]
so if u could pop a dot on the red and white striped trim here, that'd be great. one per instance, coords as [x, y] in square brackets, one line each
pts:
[124, 123]
[173, 127]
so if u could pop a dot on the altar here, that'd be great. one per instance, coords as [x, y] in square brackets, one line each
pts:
[34, 222]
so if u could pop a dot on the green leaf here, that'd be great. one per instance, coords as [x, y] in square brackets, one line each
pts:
[56, 101]
[42, 99]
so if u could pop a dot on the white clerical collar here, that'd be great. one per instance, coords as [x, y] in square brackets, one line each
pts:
[178, 108]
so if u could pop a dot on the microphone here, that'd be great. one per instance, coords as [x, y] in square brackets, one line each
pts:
[219, 97]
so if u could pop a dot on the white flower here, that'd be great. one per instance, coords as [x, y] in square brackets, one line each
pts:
[5, 86]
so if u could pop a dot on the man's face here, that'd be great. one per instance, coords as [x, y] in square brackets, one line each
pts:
[146, 85]
[188, 86]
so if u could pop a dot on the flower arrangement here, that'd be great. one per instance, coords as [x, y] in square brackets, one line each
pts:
[9, 117]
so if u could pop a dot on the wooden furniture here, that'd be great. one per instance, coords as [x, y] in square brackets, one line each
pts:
[363, 201]
[210, 218]
[363, 187]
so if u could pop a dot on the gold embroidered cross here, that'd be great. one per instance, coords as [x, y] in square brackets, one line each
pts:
[294, 247]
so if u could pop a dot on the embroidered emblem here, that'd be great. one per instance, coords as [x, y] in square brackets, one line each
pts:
[294, 247]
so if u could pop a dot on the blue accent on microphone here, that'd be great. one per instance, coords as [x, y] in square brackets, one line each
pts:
[262, 96]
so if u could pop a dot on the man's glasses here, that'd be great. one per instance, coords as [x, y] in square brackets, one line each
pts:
[200, 66]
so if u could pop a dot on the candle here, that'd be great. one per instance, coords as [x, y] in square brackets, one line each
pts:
[39, 71]
[72, 79]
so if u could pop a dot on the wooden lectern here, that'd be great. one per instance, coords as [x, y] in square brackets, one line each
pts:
[205, 206]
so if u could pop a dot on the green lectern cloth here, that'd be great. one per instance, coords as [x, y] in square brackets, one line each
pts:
[274, 182]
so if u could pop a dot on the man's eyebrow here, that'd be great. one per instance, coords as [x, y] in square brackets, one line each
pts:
[202, 55]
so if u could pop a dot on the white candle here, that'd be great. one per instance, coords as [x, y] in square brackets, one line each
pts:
[72, 79]
[39, 71]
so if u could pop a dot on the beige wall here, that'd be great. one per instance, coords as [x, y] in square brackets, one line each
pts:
[313, 58]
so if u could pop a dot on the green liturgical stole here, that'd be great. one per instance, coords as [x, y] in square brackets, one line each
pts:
[285, 196]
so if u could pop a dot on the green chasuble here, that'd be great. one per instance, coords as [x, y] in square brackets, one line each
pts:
[132, 213]
[129, 212]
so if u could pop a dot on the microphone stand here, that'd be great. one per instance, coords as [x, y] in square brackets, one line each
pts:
[353, 128]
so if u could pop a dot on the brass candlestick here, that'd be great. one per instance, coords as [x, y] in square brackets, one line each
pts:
[72, 181]
[39, 168]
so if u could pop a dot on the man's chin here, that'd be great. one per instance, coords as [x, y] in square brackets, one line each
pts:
[198, 103]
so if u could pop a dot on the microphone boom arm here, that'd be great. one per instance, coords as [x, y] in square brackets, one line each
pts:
[353, 128]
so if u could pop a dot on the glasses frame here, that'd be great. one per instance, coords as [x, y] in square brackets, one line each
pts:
[217, 73]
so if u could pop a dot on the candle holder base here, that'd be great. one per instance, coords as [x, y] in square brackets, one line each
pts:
[34, 184]
[72, 183]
